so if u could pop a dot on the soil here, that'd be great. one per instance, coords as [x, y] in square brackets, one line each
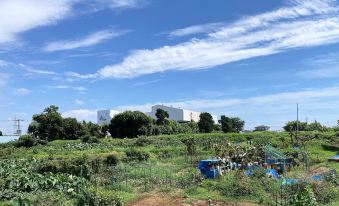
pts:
[318, 170]
[161, 200]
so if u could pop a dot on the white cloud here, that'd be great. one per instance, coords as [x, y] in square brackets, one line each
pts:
[321, 73]
[196, 29]
[3, 79]
[90, 40]
[323, 66]
[124, 4]
[138, 84]
[23, 91]
[4, 63]
[79, 102]
[81, 90]
[303, 24]
[82, 114]
[18, 16]
[36, 71]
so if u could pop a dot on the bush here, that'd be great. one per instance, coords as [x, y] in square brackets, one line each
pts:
[142, 141]
[85, 138]
[28, 141]
[238, 185]
[136, 155]
[78, 167]
[89, 139]
[101, 198]
[112, 160]
[304, 197]
[325, 192]
[129, 124]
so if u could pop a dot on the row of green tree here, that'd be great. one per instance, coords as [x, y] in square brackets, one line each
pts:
[305, 126]
[50, 125]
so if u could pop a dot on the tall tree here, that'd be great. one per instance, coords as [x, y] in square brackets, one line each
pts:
[1, 133]
[315, 126]
[47, 125]
[231, 124]
[129, 124]
[294, 125]
[205, 123]
[71, 128]
[162, 116]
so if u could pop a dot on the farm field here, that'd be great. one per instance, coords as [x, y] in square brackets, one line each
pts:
[158, 170]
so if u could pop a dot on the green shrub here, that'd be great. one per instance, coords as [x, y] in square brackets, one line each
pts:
[304, 197]
[78, 167]
[325, 192]
[48, 166]
[137, 155]
[28, 141]
[112, 160]
[85, 138]
[143, 141]
[238, 185]
[89, 139]
[100, 198]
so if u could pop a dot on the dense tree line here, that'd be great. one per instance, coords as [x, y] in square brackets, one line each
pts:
[133, 123]
[50, 125]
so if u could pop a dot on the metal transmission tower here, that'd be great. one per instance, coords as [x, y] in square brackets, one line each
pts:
[17, 128]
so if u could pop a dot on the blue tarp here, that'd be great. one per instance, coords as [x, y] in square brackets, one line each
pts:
[206, 170]
[273, 172]
[336, 157]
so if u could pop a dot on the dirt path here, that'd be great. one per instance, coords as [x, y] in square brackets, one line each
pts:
[161, 200]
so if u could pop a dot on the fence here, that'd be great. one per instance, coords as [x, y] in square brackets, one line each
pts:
[147, 176]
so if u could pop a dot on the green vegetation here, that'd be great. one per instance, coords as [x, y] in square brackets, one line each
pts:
[231, 124]
[116, 171]
[205, 123]
[86, 169]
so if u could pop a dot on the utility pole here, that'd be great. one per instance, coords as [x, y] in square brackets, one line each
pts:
[297, 121]
[17, 127]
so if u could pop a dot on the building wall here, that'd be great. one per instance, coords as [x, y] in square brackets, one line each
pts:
[178, 114]
[174, 113]
[105, 116]
[191, 116]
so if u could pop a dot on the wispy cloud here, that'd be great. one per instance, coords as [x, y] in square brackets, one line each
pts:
[79, 102]
[303, 24]
[22, 91]
[81, 90]
[81, 114]
[124, 4]
[90, 40]
[4, 63]
[3, 79]
[17, 16]
[196, 29]
[323, 66]
[138, 84]
[36, 71]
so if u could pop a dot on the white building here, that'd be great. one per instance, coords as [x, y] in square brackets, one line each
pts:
[105, 116]
[178, 114]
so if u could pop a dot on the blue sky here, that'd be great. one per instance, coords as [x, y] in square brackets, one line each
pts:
[251, 59]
